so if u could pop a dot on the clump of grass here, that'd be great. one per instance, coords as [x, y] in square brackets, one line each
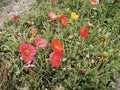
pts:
[90, 63]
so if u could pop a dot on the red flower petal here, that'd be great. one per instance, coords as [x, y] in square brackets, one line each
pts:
[27, 51]
[56, 58]
[84, 32]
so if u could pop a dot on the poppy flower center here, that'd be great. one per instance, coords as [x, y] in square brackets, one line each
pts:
[34, 32]
[57, 47]
[27, 52]
[54, 57]
[62, 21]
[39, 44]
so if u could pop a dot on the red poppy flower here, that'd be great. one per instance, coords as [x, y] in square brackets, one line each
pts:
[15, 18]
[56, 45]
[84, 32]
[56, 58]
[27, 52]
[63, 20]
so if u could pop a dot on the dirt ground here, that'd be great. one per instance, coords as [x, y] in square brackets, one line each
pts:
[118, 84]
[14, 7]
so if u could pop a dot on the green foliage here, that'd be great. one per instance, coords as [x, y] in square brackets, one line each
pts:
[88, 63]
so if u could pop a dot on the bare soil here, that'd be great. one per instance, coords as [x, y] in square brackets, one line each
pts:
[11, 7]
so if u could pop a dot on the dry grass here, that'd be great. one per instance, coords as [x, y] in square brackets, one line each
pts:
[3, 75]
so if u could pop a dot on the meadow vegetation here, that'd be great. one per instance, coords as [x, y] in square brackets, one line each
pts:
[75, 47]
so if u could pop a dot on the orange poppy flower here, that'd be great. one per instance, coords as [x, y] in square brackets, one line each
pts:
[63, 20]
[56, 45]
[90, 24]
[33, 32]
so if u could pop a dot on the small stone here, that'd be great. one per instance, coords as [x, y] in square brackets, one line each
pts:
[92, 62]
[88, 56]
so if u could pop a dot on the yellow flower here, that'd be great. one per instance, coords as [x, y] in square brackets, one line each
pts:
[74, 16]
[90, 24]
[31, 40]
